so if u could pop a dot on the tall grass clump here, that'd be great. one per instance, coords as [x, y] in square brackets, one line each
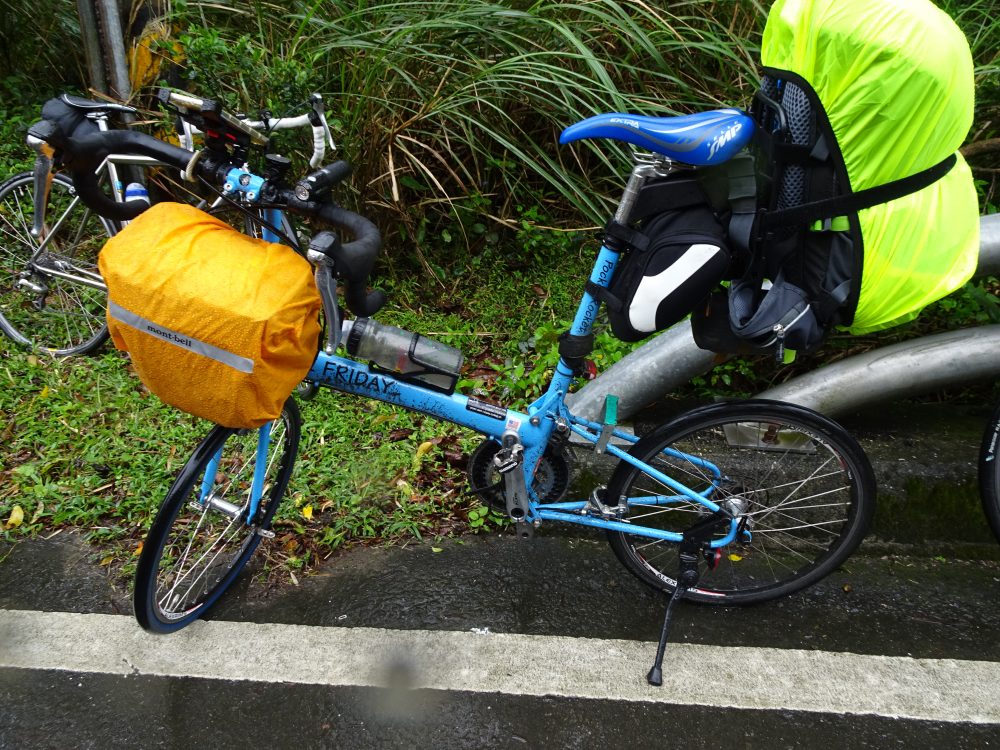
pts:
[981, 23]
[440, 100]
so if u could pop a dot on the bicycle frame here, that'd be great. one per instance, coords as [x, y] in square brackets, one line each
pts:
[795, 499]
[534, 428]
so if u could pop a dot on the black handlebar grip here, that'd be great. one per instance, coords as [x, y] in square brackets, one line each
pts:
[48, 131]
[354, 260]
[85, 182]
[83, 154]
[364, 304]
[320, 182]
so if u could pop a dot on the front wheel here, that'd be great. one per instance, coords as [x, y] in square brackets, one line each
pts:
[799, 486]
[206, 529]
[989, 472]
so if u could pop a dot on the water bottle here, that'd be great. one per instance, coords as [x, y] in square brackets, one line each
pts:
[135, 191]
[408, 355]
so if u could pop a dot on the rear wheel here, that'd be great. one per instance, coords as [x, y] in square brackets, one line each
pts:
[52, 300]
[204, 534]
[798, 483]
[989, 472]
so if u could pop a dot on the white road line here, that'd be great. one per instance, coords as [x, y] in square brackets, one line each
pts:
[748, 678]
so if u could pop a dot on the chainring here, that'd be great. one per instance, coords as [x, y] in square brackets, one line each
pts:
[549, 484]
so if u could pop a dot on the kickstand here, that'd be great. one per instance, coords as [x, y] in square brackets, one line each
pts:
[695, 545]
[655, 676]
[687, 577]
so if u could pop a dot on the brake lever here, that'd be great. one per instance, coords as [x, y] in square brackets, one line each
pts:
[42, 174]
[320, 110]
[328, 293]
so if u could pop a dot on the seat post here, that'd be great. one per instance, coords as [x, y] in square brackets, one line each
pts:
[641, 174]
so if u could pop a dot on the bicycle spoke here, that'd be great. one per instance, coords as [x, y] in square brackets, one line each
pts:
[49, 300]
[202, 537]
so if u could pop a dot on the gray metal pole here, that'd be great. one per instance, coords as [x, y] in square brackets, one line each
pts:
[113, 46]
[910, 368]
[672, 359]
[646, 374]
[91, 45]
[989, 245]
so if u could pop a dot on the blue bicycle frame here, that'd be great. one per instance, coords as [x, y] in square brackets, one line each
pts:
[534, 428]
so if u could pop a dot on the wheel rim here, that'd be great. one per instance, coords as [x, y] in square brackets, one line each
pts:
[793, 493]
[209, 541]
[38, 308]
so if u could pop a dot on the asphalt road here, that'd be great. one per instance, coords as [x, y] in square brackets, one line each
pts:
[494, 642]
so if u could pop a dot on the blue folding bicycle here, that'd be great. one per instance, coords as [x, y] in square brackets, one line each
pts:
[733, 503]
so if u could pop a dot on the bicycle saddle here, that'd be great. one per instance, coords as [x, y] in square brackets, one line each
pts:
[89, 105]
[700, 139]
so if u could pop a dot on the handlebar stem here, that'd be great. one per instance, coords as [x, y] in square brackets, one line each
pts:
[242, 181]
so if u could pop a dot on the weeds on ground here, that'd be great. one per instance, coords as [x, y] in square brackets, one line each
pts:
[87, 447]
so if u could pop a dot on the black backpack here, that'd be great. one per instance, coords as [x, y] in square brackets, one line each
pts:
[795, 231]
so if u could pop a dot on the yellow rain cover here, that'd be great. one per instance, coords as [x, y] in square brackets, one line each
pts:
[217, 323]
[896, 80]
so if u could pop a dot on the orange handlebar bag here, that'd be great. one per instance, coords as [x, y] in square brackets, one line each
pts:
[217, 323]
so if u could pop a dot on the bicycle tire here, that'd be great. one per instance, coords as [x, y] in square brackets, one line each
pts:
[775, 461]
[989, 472]
[37, 309]
[194, 551]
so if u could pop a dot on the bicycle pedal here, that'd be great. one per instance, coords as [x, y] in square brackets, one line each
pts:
[306, 390]
[507, 459]
[503, 467]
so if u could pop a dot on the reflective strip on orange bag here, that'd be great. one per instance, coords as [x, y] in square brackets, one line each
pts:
[139, 323]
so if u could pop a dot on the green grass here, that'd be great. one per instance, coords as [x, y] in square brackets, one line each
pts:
[86, 447]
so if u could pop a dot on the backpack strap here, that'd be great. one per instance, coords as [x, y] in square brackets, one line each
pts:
[603, 294]
[742, 202]
[841, 205]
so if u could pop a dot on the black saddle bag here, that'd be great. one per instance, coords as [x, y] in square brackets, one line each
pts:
[655, 286]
